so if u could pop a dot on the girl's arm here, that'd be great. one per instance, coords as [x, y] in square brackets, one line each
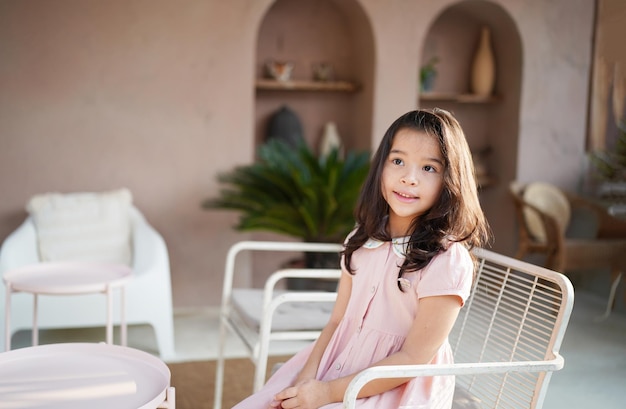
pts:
[309, 370]
[430, 328]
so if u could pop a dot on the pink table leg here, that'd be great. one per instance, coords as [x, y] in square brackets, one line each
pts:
[109, 315]
[123, 315]
[7, 319]
[35, 333]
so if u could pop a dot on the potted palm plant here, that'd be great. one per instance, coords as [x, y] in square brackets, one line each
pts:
[428, 73]
[296, 193]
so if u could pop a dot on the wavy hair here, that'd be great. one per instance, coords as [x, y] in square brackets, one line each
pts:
[456, 217]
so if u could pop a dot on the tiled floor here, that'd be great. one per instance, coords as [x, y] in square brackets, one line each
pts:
[594, 375]
[595, 352]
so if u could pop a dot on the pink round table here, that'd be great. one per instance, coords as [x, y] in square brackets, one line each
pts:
[67, 278]
[84, 375]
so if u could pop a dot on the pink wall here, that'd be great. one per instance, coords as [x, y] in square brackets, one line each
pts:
[158, 96]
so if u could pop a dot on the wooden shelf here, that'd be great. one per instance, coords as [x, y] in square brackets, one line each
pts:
[296, 85]
[459, 98]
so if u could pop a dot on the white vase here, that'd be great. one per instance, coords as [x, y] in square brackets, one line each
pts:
[483, 66]
[330, 139]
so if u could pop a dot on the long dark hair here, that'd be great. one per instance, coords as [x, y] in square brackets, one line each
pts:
[457, 215]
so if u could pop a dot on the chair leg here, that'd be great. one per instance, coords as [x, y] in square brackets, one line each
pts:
[616, 276]
[261, 354]
[555, 262]
[219, 367]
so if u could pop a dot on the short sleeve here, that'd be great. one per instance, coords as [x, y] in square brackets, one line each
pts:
[449, 273]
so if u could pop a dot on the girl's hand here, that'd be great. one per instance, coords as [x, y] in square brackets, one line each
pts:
[302, 377]
[310, 394]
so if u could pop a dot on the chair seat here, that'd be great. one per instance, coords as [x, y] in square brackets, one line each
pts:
[300, 316]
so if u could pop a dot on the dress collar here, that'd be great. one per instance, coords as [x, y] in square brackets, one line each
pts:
[399, 245]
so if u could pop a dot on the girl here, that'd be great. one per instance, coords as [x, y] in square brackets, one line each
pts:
[407, 272]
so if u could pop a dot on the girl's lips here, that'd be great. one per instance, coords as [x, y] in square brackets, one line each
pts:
[404, 197]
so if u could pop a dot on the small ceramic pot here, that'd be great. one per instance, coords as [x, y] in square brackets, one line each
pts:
[323, 71]
[279, 70]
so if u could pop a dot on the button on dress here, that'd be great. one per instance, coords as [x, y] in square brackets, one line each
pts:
[377, 319]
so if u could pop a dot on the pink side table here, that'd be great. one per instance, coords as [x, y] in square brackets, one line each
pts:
[67, 278]
[84, 375]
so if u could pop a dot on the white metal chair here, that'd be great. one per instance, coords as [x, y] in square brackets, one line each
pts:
[261, 316]
[148, 294]
[506, 339]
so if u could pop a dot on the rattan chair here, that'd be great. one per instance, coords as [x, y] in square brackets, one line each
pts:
[546, 218]
[506, 339]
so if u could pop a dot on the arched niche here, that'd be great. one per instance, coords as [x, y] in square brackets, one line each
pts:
[306, 32]
[491, 125]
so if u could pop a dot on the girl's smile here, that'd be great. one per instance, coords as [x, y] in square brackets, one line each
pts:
[406, 197]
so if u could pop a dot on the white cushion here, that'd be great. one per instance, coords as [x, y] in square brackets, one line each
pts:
[83, 226]
[292, 316]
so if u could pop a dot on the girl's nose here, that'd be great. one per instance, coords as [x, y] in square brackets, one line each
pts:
[410, 177]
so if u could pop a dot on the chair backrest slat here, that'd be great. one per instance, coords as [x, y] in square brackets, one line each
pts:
[513, 314]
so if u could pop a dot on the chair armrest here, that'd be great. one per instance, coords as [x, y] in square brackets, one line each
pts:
[277, 246]
[149, 249]
[20, 247]
[412, 371]
[271, 303]
[272, 280]
[260, 308]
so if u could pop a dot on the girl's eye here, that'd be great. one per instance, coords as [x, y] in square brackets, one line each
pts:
[396, 161]
[429, 168]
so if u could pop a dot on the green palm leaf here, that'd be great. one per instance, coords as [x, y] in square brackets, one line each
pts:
[294, 192]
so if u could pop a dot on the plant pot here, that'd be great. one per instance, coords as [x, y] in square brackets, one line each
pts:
[428, 81]
[315, 260]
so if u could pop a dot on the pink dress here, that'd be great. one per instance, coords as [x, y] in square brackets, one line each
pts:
[375, 324]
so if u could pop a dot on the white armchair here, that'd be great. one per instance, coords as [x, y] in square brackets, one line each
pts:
[148, 293]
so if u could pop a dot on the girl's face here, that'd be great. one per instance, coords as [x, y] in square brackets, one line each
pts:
[412, 178]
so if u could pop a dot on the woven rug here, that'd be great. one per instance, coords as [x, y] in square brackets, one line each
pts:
[195, 382]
